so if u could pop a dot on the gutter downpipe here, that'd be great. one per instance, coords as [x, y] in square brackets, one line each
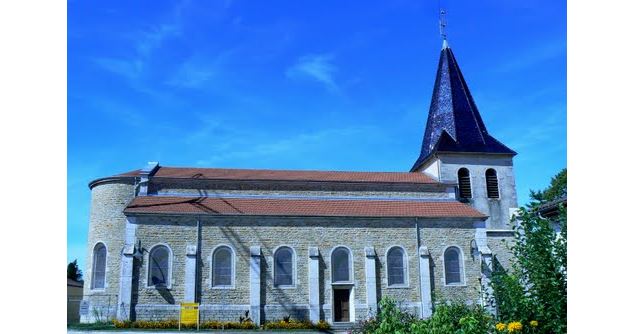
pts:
[197, 272]
[419, 264]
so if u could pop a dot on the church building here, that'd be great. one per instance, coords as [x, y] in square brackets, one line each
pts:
[312, 245]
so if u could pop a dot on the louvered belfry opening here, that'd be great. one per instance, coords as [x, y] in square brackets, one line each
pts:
[492, 183]
[465, 187]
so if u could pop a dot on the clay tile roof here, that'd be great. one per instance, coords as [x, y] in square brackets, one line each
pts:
[135, 172]
[299, 207]
[291, 175]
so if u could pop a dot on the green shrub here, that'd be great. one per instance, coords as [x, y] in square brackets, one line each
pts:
[453, 318]
[536, 286]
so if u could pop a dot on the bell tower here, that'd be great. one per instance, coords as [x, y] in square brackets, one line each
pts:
[457, 148]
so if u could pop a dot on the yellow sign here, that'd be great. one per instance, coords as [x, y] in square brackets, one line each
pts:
[189, 314]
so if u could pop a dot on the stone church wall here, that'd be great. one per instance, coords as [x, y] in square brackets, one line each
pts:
[298, 233]
[107, 224]
[437, 236]
[160, 185]
[500, 244]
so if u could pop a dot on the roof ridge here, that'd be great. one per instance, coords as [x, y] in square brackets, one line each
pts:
[300, 197]
[288, 170]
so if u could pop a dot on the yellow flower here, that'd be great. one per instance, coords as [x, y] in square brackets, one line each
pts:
[533, 323]
[515, 326]
[500, 326]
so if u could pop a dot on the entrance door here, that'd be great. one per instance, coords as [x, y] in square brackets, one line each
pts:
[341, 301]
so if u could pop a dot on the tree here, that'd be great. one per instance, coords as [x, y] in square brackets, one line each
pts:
[73, 272]
[557, 189]
[536, 285]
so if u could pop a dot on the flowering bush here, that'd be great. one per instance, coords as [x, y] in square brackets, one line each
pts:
[514, 327]
[289, 324]
[501, 327]
[214, 324]
[173, 324]
[163, 324]
[517, 327]
[322, 325]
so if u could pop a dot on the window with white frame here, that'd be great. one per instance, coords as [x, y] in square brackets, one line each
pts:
[396, 263]
[159, 266]
[453, 267]
[222, 267]
[283, 267]
[99, 266]
[341, 265]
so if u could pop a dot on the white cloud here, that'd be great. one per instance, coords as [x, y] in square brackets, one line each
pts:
[151, 39]
[532, 56]
[315, 67]
[144, 43]
[191, 75]
[129, 69]
[237, 146]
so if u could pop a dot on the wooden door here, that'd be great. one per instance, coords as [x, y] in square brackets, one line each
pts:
[342, 305]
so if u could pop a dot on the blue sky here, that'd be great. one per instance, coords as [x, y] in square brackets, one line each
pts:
[331, 85]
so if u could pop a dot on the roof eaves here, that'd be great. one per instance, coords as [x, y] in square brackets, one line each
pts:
[194, 214]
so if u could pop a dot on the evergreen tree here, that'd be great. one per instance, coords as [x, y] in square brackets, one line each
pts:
[73, 272]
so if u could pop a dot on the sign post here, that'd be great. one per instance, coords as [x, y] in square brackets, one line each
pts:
[189, 315]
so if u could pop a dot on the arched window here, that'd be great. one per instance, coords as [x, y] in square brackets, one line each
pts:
[283, 267]
[396, 262]
[453, 266]
[465, 187]
[99, 266]
[492, 183]
[159, 266]
[222, 267]
[341, 265]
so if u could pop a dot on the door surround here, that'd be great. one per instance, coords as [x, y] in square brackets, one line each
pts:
[351, 301]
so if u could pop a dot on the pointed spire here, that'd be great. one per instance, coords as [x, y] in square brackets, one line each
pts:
[445, 44]
[454, 123]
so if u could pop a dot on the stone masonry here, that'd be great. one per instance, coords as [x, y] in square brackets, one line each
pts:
[241, 233]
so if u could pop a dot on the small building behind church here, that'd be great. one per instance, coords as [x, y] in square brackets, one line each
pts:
[74, 293]
[312, 245]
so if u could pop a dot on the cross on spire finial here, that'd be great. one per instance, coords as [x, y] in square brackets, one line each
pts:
[442, 23]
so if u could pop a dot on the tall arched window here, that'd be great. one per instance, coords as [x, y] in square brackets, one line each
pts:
[99, 266]
[492, 183]
[453, 266]
[465, 187]
[283, 267]
[159, 266]
[341, 265]
[222, 267]
[396, 262]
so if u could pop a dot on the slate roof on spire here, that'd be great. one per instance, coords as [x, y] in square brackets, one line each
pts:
[454, 123]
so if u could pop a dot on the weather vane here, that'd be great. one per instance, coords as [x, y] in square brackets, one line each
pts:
[442, 23]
